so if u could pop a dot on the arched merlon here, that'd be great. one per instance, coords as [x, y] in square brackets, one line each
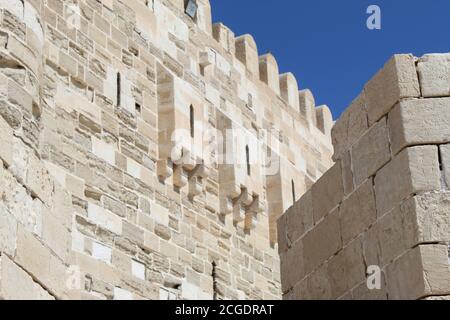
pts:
[289, 89]
[324, 119]
[307, 106]
[269, 72]
[247, 53]
[204, 17]
[224, 36]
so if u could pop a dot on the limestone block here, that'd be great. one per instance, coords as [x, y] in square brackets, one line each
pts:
[445, 158]
[55, 235]
[371, 152]
[269, 72]
[292, 266]
[38, 179]
[358, 211]
[8, 231]
[34, 257]
[319, 285]
[434, 75]
[307, 105]
[432, 215]
[417, 122]
[289, 90]
[397, 80]
[420, 272]
[346, 269]
[299, 218]
[103, 150]
[104, 218]
[247, 53]
[350, 127]
[363, 293]
[327, 192]
[324, 120]
[6, 141]
[16, 284]
[413, 170]
[322, 242]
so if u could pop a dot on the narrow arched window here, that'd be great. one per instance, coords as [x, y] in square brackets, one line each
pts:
[293, 191]
[192, 121]
[118, 88]
[247, 155]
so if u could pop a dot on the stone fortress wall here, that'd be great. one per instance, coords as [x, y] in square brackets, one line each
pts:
[94, 200]
[386, 201]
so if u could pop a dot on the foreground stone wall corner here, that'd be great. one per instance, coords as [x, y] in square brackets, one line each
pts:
[386, 201]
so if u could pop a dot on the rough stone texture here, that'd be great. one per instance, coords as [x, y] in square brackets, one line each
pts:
[419, 122]
[414, 170]
[397, 80]
[350, 127]
[434, 75]
[445, 159]
[371, 152]
[389, 204]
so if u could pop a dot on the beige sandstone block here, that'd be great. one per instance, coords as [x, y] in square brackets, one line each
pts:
[434, 75]
[319, 285]
[299, 219]
[445, 158]
[16, 284]
[327, 192]
[363, 293]
[38, 179]
[292, 266]
[397, 80]
[8, 231]
[55, 235]
[6, 142]
[350, 127]
[322, 242]
[358, 212]
[346, 269]
[418, 122]
[34, 257]
[420, 272]
[269, 73]
[414, 170]
[371, 152]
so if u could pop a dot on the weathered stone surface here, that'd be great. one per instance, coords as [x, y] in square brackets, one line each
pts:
[434, 75]
[420, 272]
[16, 284]
[327, 192]
[350, 127]
[397, 80]
[292, 266]
[445, 159]
[419, 122]
[6, 141]
[322, 242]
[371, 152]
[358, 212]
[8, 231]
[413, 170]
[346, 269]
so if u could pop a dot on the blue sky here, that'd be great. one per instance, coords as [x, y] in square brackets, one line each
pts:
[326, 43]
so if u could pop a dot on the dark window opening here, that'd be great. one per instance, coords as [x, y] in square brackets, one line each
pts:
[247, 154]
[138, 108]
[118, 88]
[191, 8]
[293, 191]
[192, 121]
[214, 278]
